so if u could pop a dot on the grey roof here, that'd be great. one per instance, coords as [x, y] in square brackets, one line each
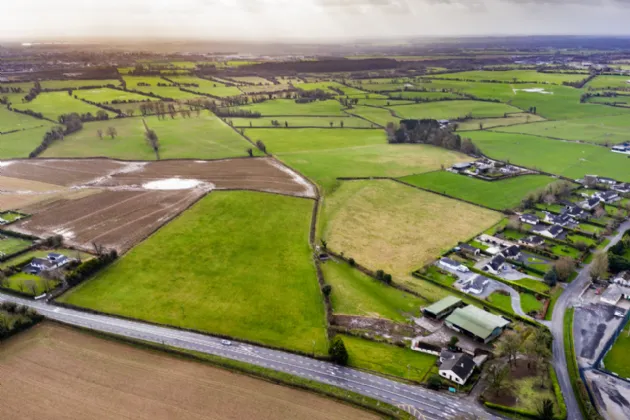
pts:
[449, 261]
[530, 217]
[606, 195]
[462, 165]
[534, 240]
[461, 365]
[468, 247]
[496, 262]
[593, 201]
[447, 355]
[512, 251]
[606, 179]
[555, 230]
[574, 210]
[613, 292]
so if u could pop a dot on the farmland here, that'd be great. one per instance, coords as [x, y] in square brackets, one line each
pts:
[610, 82]
[616, 358]
[499, 195]
[54, 104]
[389, 226]
[510, 120]
[140, 383]
[106, 95]
[225, 291]
[9, 245]
[379, 116]
[291, 122]
[453, 109]
[573, 160]
[209, 87]
[280, 107]
[77, 84]
[514, 76]
[11, 121]
[21, 143]
[314, 139]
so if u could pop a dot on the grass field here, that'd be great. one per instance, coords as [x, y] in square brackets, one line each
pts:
[204, 137]
[355, 293]
[388, 359]
[54, 104]
[106, 95]
[324, 122]
[609, 82]
[530, 303]
[277, 107]
[23, 282]
[539, 286]
[73, 368]
[433, 96]
[237, 277]
[10, 121]
[377, 115]
[620, 100]
[75, 84]
[324, 154]
[172, 92]
[383, 102]
[500, 195]
[251, 79]
[133, 81]
[389, 226]
[613, 129]
[10, 245]
[42, 253]
[486, 123]
[502, 301]
[514, 76]
[453, 109]
[573, 160]
[616, 359]
[20, 144]
[210, 87]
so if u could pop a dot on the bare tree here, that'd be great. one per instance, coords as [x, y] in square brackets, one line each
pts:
[112, 132]
[99, 133]
[98, 249]
[153, 141]
[509, 346]
[130, 112]
[497, 376]
[31, 286]
[564, 267]
[599, 267]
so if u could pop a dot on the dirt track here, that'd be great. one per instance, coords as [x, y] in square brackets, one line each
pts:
[72, 375]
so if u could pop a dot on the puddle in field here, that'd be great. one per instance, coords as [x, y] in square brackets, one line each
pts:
[172, 184]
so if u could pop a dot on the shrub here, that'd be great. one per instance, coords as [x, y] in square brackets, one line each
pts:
[351, 262]
[338, 352]
[434, 382]
[327, 289]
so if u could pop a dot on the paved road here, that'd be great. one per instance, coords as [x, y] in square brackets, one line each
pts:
[425, 404]
[565, 301]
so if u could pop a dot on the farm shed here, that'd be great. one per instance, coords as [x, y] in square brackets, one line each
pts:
[476, 323]
[443, 307]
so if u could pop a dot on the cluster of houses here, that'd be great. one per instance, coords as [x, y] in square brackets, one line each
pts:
[52, 261]
[622, 148]
[481, 326]
[613, 184]
[554, 223]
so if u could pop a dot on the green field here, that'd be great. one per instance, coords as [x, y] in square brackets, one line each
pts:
[379, 116]
[383, 102]
[324, 155]
[106, 95]
[216, 269]
[486, 123]
[204, 137]
[619, 100]
[10, 245]
[152, 81]
[613, 129]
[324, 122]
[616, 359]
[500, 195]
[20, 282]
[209, 87]
[573, 160]
[610, 82]
[251, 79]
[388, 359]
[54, 104]
[514, 76]
[448, 110]
[75, 84]
[502, 301]
[277, 107]
[539, 286]
[10, 121]
[20, 144]
[530, 303]
[433, 96]
[354, 293]
[172, 92]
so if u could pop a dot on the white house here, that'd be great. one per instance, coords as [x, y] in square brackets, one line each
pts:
[496, 265]
[604, 180]
[453, 265]
[590, 203]
[551, 231]
[607, 196]
[530, 219]
[512, 253]
[475, 284]
[457, 369]
[622, 188]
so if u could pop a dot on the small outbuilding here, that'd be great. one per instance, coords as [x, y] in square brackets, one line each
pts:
[443, 308]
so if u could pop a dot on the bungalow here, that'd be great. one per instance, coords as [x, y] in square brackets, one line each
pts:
[447, 355]
[442, 308]
[476, 323]
[475, 284]
[590, 203]
[530, 219]
[575, 212]
[458, 369]
[622, 188]
[562, 219]
[453, 265]
[461, 166]
[549, 231]
[58, 259]
[37, 265]
[604, 180]
[532, 241]
[512, 253]
[607, 196]
[496, 265]
[621, 149]
[614, 293]
[469, 249]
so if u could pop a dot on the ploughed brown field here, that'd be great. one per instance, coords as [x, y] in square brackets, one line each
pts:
[74, 375]
[117, 204]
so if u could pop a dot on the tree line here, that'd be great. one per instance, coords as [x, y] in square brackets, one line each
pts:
[429, 131]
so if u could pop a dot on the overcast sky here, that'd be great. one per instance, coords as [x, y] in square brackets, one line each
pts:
[309, 19]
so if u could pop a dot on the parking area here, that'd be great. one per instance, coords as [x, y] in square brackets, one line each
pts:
[593, 324]
[611, 395]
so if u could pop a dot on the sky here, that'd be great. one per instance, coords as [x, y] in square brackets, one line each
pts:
[309, 19]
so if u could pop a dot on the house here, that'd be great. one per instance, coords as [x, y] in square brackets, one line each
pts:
[590, 203]
[59, 260]
[442, 308]
[530, 219]
[496, 265]
[575, 212]
[549, 231]
[475, 284]
[562, 219]
[461, 166]
[607, 196]
[458, 369]
[607, 181]
[447, 355]
[453, 265]
[469, 249]
[622, 188]
[37, 265]
[512, 253]
[613, 294]
[622, 148]
[532, 241]
[476, 323]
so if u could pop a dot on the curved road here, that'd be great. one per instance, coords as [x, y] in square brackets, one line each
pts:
[565, 301]
[424, 404]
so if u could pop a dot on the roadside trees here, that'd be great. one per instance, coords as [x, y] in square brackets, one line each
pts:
[599, 267]
[338, 352]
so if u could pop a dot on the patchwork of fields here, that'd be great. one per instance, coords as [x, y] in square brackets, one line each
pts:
[54, 104]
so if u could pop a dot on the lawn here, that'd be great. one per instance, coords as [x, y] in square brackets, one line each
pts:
[378, 116]
[387, 359]
[432, 96]
[530, 303]
[454, 109]
[10, 121]
[225, 273]
[389, 226]
[603, 130]
[75, 84]
[501, 301]
[209, 87]
[21, 143]
[324, 122]
[609, 82]
[30, 284]
[435, 273]
[514, 76]
[616, 360]
[42, 253]
[486, 123]
[499, 195]
[106, 95]
[278, 107]
[573, 160]
[10, 245]
[354, 293]
[204, 137]
[538, 286]
[54, 104]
